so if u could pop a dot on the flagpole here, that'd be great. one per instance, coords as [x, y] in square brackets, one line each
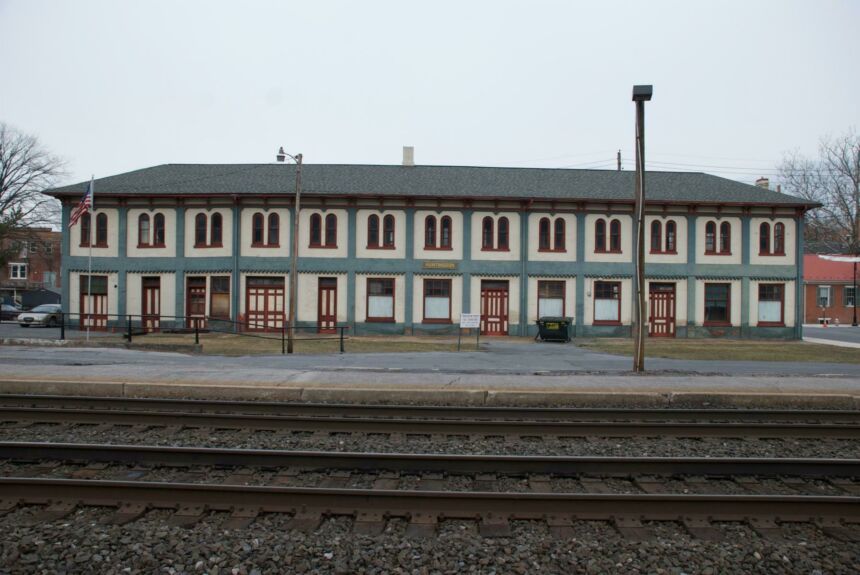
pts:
[88, 301]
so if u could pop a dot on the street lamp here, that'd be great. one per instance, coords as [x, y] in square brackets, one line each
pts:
[641, 94]
[294, 284]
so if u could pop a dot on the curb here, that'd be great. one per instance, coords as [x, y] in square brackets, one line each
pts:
[316, 393]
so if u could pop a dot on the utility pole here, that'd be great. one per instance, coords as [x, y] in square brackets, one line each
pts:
[618, 158]
[641, 94]
[294, 279]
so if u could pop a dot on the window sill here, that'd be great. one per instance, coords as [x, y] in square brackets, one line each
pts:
[322, 247]
[495, 249]
[207, 246]
[608, 251]
[435, 249]
[718, 253]
[379, 320]
[265, 245]
[770, 324]
[551, 251]
[661, 253]
[150, 246]
[605, 322]
[100, 245]
[768, 254]
[381, 247]
[448, 321]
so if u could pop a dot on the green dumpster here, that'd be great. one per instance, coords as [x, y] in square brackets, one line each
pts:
[554, 328]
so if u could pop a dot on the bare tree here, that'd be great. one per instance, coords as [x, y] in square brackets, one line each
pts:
[26, 170]
[834, 180]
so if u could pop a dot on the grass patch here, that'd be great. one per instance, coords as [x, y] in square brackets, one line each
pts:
[727, 349]
[270, 344]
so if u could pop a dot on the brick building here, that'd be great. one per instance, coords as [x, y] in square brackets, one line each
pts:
[829, 292]
[31, 274]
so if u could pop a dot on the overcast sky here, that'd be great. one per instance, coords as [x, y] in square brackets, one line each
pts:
[114, 86]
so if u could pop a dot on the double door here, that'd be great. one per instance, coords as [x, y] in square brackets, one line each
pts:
[264, 303]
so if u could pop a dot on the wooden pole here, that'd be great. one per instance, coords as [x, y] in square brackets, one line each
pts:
[294, 280]
[639, 328]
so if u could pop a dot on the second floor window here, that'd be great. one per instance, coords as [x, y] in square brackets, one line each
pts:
[213, 226]
[86, 230]
[200, 231]
[150, 233]
[557, 228]
[503, 233]
[445, 233]
[215, 232]
[260, 235]
[387, 231]
[274, 236]
[612, 244]
[721, 246]
[373, 231]
[661, 244]
[766, 247]
[17, 271]
[143, 230]
[257, 230]
[101, 231]
[320, 233]
[487, 233]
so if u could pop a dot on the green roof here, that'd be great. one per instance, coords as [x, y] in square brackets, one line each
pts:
[428, 182]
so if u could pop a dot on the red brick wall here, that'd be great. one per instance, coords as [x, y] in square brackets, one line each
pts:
[837, 310]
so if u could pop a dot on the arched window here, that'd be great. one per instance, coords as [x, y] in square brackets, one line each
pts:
[316, 230]
[158, 222]
[86, 230]
[200, 230]
[779, 238]
[331, 230]
[503, 233]
[656, 236]
[725, 238]
[671, 237]
[447, 233]
[257, 230]
[543, 234]
[710, 237]
[388, 231]
[101, 230]
[487, 233]
[373, 231]
[615, 236]
[764, 238]
[430, 232]
[274, 230]
[143, 230]
[559, 239]
[600, 235]
[215, 232]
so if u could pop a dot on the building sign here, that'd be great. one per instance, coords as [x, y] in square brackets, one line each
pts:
[470, 320]
[434, 265]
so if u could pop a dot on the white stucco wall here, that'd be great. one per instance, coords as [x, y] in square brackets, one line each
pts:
[513, 252]
[626, 238]
[734, 303]
[418, 297]
[569, 254]
[309, 292]
[134, 293]
[247, 232]
[513, 296]
[226, 233]
[569, 296]
[790, 240]
[305, 234]
[626, 299]
[169, 249]
[456, 251]
[361, 296]
[788, 302]
[75, 295]
[111, 250]
[361, 249]
[680, 240]
[735, 257]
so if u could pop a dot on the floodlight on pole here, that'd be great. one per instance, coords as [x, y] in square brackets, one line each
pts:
[641, 94]
[282, 156]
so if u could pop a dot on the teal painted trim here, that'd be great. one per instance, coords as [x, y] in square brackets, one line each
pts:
[798, 282]
[234, 275]
[691, 263]
[580, 277]
[180, 262]
[745, 280]
[409, 261]
[65, 249]
[122, 253]
[467, 256]
[351, 240]
[524, 274]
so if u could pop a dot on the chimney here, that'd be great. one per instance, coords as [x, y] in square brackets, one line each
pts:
[408, 156]
[763, 183]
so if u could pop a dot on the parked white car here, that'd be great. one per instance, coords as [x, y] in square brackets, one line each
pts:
[48, 314]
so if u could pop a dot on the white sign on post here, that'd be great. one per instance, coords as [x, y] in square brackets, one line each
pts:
[470, 320]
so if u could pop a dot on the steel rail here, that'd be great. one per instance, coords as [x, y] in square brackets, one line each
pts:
[431, 426]
[441, 504]
[420, 463]
[427, 412]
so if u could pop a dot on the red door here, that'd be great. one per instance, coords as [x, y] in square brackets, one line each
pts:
[264, 302]
[151, 312]
[661, 315]
[327, 305]
[494, 307]
[195, 303]
[94, 303]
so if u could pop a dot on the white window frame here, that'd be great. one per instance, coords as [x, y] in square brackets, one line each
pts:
[845, 297]
[17, 267]
[818, 296]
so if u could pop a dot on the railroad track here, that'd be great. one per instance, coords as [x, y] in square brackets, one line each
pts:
[562, 414]
[430, 426]
[423, 508]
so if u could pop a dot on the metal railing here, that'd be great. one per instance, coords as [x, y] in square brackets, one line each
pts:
[137, 325]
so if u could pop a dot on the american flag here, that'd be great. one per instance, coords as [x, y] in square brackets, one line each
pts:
[84, 206]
